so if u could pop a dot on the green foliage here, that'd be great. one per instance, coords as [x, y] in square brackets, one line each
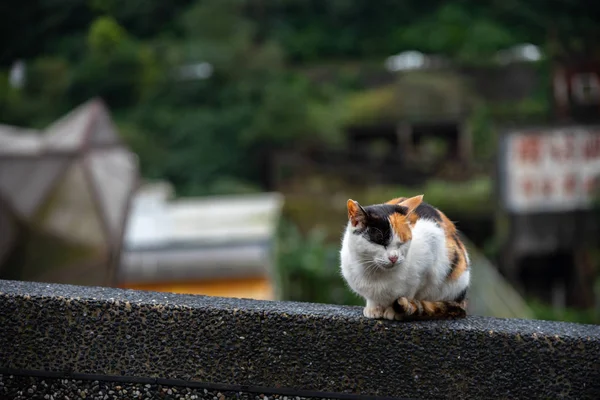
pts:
[105, 35]
[375, 105]
[523, 110]
[216, 132]
[308, 268]
[48, 81]
[116, 77]
[41, 100]
[484, 137]
[210, 135]
[117, 68]
[458, 31]
[150, 151]
[216, 32]
[474, 197]
[313, 30]
[48, 77]
[546, 312]
[284, 101]
[103, 6]
[13, 105]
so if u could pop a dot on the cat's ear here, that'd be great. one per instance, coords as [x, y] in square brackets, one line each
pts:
[356, 214]
[412, 203]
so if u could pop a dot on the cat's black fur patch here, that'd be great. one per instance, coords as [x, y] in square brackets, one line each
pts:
[426, 211]
[378, 226]
[384, 210]
[402, 209]
[377, 229]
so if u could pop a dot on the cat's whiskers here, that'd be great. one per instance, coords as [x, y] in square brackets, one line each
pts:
[364, 261]
[367, 262]
[369, 265]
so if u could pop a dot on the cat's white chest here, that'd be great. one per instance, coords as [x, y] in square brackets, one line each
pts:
[383, 287]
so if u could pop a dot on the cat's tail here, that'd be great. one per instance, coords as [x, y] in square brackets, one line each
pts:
[406, 309]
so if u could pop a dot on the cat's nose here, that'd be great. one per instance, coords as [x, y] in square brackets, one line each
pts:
[393, 258]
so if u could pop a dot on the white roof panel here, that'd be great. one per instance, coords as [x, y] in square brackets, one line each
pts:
[212, 220]
[19, 141]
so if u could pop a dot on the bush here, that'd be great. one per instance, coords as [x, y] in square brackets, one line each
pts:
[545, 312]
[105, 35]
[308, 268]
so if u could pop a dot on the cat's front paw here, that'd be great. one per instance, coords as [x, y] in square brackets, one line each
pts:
[375, 312]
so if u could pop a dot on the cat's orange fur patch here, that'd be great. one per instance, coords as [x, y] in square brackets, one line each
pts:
[399, 225]
[395, 201]
[354, 212]
[454, 245]
[459, 267]
[412, 203]
[428, 308]
[456, 249]
[448, 226]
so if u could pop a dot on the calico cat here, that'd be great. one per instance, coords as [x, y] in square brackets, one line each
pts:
[406, 259]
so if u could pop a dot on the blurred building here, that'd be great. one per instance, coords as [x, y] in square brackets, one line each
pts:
[220, 246]
[576, 84]
[549, 186]
[413, 120]
[64, 195]
[549, 181]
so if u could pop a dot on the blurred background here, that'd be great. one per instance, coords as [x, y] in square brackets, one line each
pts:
[209, 146]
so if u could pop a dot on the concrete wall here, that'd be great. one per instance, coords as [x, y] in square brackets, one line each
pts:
[59, 341]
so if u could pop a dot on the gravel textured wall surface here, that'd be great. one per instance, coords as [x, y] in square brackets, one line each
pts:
[83, 332]
[28, 387]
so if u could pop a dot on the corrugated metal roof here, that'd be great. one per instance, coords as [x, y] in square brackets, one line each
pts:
[204, 237]
[155, 222]
[195, 262]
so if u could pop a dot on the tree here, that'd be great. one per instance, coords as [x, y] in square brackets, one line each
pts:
[217, 129]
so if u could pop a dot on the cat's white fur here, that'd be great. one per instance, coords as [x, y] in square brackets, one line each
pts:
[420, 272]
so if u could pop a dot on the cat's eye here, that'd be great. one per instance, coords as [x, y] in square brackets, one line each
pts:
[377, 236]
